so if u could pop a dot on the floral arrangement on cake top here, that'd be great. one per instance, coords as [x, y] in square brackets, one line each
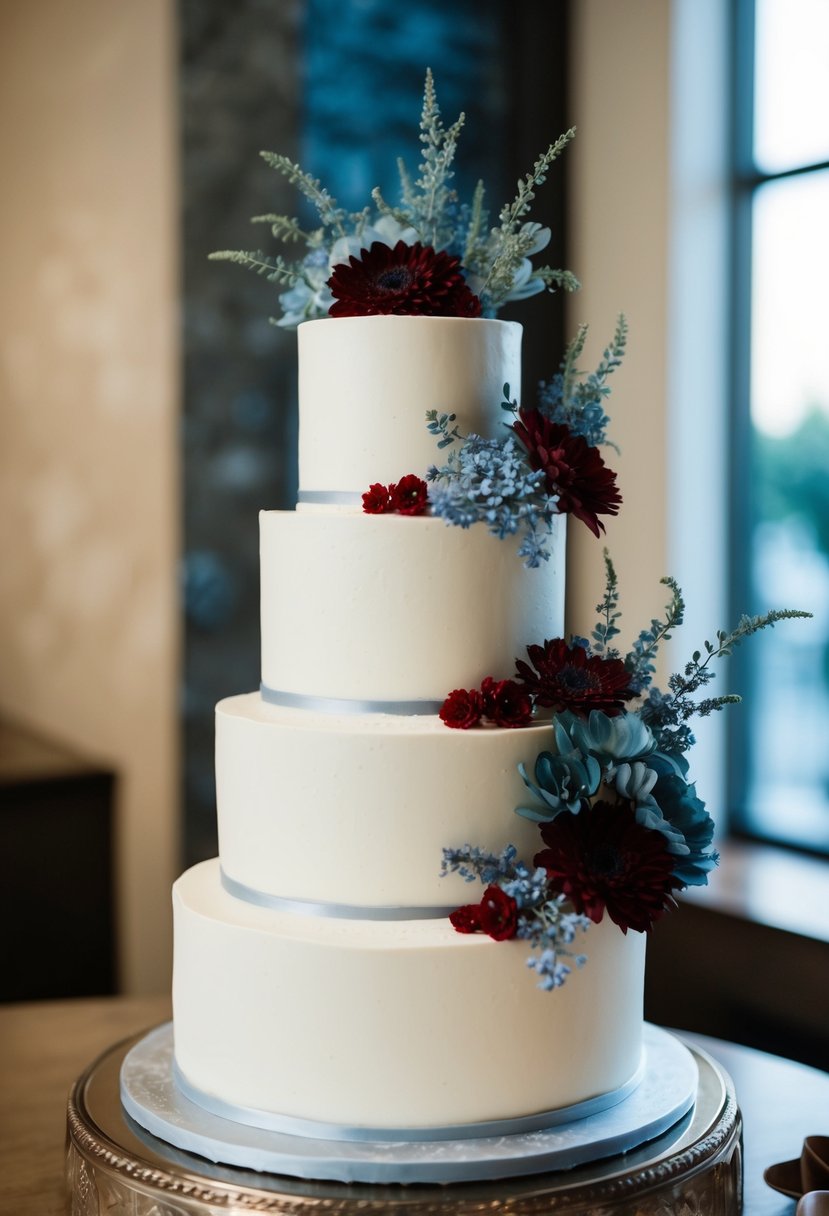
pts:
[621, 825]
[429, 254]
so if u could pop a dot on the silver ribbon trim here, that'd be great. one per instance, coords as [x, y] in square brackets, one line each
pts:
[308, 907]
[313, 1130]
[344, 705]
[333, 498]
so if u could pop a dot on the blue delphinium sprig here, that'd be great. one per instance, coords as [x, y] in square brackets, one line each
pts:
[489, 481]
[544, 920]
[577, 399]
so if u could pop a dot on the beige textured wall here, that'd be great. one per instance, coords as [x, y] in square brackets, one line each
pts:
[619, 217]
[649, 216]
[88, 417]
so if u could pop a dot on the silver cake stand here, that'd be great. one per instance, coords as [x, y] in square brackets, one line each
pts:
[115, 1167]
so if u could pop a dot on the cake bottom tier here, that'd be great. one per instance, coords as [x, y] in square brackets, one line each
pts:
[386, 1024]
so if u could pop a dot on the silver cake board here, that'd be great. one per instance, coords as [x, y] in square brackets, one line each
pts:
[155, 1102]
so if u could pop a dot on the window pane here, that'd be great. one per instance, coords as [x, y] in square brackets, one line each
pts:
[791, 83]
[788, 793]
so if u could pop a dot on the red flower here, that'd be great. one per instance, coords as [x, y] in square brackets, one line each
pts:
[499, 914]
[462, 709]
[496, 915]
[506, 703]
[466, 919]
[573, 470]
[409, 280]
[567, 677]
[410, 495]
[377, 499]
[603, 860]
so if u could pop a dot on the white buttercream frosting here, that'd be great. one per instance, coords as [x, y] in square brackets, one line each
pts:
[389, 607]
[365, 384]
[356, 809]
[391, 1024]
[371, 1022]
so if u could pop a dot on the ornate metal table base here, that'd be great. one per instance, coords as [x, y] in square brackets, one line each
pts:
[114, 1167]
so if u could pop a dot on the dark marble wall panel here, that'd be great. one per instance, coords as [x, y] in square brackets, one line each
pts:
[364, 89]
[240, 92]
[337, 85]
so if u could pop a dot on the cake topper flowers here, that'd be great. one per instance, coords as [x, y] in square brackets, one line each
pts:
[621, 823]
[492, 262]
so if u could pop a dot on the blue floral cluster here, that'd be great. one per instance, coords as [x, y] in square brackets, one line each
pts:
[620, 752]
[489, 481]
[544, 921]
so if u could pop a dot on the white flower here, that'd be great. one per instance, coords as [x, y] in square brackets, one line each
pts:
[523, 284]
[386, 230]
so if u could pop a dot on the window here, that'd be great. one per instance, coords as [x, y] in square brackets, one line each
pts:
[780, 769]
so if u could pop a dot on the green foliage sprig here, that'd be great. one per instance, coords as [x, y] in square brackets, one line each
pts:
[640, 660]
[609, 613]
[511, 243]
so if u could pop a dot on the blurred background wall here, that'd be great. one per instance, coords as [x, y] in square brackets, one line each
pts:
[89, 406]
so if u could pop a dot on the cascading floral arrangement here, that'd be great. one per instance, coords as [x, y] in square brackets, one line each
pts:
[546, 463]
[429, 254]
[620, 822]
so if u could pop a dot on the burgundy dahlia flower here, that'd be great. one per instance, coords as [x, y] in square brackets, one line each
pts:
[409, 495]
[567, 677]
[377, 500]
[506, 703]
[462, 709]
[496, 915]
[601, 859]
[573, 470]
[408, 280]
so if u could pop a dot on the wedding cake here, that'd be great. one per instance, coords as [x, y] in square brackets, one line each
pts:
[317, 975]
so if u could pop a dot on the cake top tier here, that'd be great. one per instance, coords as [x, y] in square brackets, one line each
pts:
[366, 383]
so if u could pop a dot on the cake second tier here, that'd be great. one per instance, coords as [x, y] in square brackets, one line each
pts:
[395, 612]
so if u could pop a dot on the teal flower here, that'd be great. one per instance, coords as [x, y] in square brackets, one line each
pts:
[623, 737]
[635, 784]
[561, 784]
[634, 781]
[686, 812]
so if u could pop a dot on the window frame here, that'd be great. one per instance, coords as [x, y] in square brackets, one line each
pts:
[746, 179]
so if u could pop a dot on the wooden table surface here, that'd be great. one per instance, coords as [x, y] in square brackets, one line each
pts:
[44, 1047]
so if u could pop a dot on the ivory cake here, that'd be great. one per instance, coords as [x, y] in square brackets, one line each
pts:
[317, 977]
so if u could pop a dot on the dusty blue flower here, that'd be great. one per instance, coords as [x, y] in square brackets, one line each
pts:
[634, 781]
[623, 737]
[561, 784]
[686, 812]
